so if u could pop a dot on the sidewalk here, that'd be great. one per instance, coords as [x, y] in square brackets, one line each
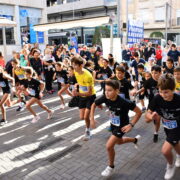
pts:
[53, 149]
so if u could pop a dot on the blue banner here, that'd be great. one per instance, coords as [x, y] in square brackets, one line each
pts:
[135, 31]
[73, 43]
[40, 37]
[32, 34]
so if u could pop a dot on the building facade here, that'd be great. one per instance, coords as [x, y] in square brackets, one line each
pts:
[65, 10]
[25, 13]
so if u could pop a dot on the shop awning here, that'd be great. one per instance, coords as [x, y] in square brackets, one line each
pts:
[88, 22]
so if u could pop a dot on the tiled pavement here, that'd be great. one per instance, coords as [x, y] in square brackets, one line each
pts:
[53, 149]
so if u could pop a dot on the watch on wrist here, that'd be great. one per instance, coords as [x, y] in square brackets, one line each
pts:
[131, 124]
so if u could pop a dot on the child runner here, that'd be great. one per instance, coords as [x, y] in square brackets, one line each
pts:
[166, 106]
[61, 76]
[177, 79]
[86, 93]
[119, 108]
[35, 89]
[20, 79]
[150, 86]
[4, 84]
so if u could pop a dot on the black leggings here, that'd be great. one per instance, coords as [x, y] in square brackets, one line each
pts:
[48, 79]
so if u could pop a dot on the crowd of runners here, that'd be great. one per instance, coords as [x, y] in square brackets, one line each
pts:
[145, 72]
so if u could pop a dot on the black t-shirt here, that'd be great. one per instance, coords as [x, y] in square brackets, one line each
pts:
[168, 110]
[4, 84]
[148, 54]
[125, 86]
[71, 81]
[33, 87]
[174, 55]
[151, 88]
[167, 70]
[62, 76]
[36, 65]
[118, 108]
[106, 73]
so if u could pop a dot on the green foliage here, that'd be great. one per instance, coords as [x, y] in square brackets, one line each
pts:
[100, 32]
[157, 34]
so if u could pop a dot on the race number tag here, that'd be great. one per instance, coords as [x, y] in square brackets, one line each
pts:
[32, 92]
[2, 84]
[115, 120]
[169, 124]
[83, 88]
[21, 76]
[60, 80]
[105, 76]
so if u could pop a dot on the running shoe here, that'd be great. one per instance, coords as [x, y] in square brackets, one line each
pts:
[87, 136]
[107, 172]
[170, 170]
[137, 140]
[50, 115]
[62, 106]
[35, 119]
[143, 109]
[3, 122]
[177, 163]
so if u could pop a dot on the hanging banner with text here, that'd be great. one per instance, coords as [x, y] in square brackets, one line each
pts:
[135, 31]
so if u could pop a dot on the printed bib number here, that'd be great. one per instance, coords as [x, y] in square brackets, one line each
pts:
[21, 76]
[2, 84]
[61, 80]
[105, 76]
[115, 120]
[83, 88]
[169, 124]
[32, 92]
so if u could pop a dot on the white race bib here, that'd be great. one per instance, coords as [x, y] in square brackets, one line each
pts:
[60, 80]
[169, 124]
[2, 84]
[83, 88]
[115, 120]
[32, 92]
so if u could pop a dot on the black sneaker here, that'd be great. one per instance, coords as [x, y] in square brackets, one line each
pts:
[3, 122]
[155, 138]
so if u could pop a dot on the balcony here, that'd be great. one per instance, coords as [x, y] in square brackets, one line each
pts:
[79, 5]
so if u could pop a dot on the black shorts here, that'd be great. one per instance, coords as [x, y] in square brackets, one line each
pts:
[141, 96]
[86, 102]
[116, 131]
[6, 90]
[173, 135]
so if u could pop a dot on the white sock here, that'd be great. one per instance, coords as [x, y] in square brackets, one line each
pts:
[155, 132]
[87, 129]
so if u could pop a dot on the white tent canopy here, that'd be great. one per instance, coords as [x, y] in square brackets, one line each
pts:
[6, 22]
[88, 22]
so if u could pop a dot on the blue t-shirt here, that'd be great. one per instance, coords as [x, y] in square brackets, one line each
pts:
[174, 55]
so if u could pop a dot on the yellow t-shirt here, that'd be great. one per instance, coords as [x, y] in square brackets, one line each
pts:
[20, 73]
[85, 80]
[177, 88]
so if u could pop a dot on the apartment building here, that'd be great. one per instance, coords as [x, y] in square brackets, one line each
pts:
[66, 10]
[156, 15]
[25, 13]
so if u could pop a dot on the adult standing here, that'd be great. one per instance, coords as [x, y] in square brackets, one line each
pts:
[174, 54]
[149, 51]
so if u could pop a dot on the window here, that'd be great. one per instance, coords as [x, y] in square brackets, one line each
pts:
[144, 15]
[159, 15]
[178, 17]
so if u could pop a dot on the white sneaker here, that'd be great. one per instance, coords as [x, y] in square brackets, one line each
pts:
[35, 119]
[87, 135]
[62, 106]
[50, 115]
[177, 163]
[170, 170]
[107, 172]
[136, 144]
